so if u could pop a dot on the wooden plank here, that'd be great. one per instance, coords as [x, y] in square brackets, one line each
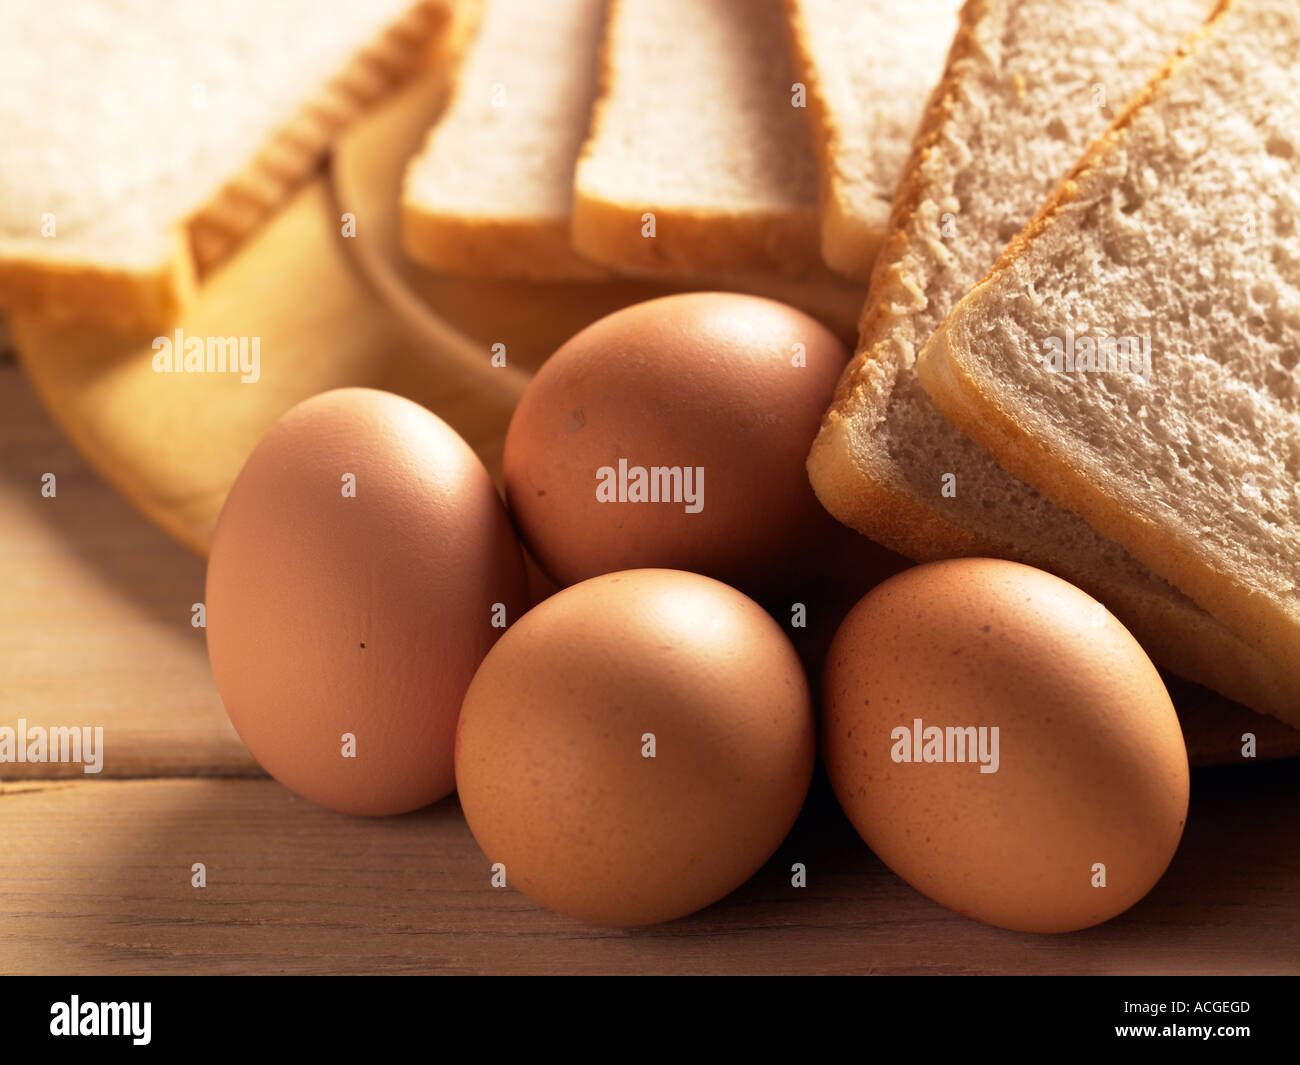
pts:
[95, 878]
[95, 615]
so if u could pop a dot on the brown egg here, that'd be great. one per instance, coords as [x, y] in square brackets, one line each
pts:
[553, 764]
[362, 566]
[1002, 742]
[673, 434]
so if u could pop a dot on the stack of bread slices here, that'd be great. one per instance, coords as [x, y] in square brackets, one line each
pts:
[685, 139]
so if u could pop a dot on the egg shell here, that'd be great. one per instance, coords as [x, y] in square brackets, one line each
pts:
[728, 384]
[331, 614]
[1091, 762]
[550, 756]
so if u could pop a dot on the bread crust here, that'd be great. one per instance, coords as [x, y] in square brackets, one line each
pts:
[515, 249]
[848, 490]
[689, 242]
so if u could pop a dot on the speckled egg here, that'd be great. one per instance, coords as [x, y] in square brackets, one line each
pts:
[673, 434]
[635, 747]
[1004, 744]
[362, 566]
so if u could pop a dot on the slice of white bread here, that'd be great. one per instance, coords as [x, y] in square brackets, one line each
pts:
[491, 192]
[1017, 106]
[142, 141]
[869, 66]
[1180, 230]
[699, 159]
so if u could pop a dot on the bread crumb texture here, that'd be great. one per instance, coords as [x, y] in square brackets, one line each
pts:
[1180, 231]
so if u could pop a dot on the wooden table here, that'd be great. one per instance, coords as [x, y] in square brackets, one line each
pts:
[95, 871]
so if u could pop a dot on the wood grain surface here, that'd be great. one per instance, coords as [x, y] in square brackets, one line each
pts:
[95, 608]
[96, 878]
